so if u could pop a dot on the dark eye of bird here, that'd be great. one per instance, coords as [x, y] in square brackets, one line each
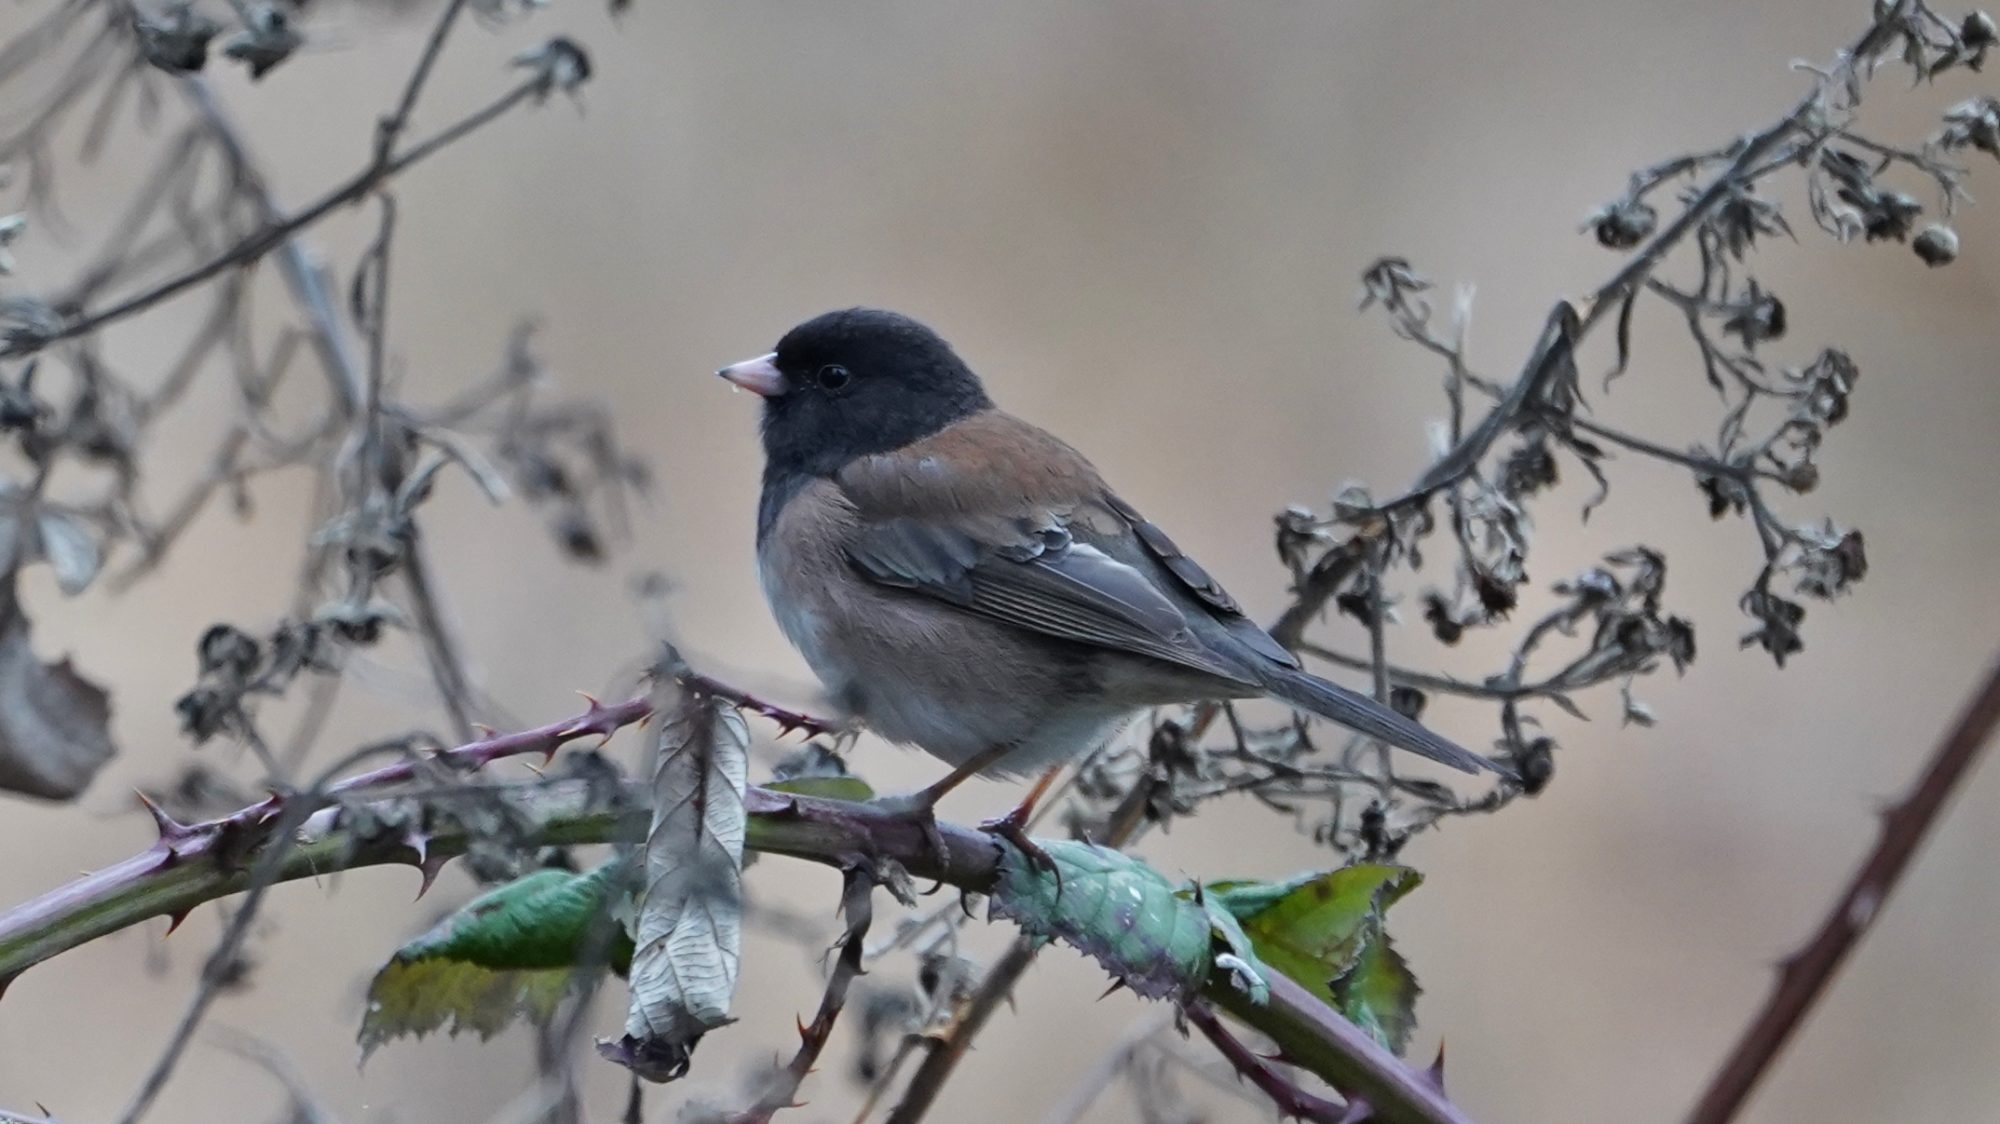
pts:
[832, 377]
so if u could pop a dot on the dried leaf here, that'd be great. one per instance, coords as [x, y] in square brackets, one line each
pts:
[54, 724]
[690, 922]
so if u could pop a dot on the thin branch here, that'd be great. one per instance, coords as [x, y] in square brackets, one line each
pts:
[67, 917]
[782, 1092]
[306, 1107]
[447, 666]
[306, 281]
[193, 864]
[1314, 1036]
[392, 126]
[1290, 1100]
[1807, 972]
[1136, 1038]
[219, 965]
[277, 234]
[943, 1054]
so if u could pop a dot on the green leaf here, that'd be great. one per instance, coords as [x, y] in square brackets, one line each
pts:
[1232, 947]
[512, 952]
[1379, 992]
[830, 788]
[1323, 929]
[1152, 936]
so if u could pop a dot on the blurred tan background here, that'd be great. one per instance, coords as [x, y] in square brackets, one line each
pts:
[1143, 222]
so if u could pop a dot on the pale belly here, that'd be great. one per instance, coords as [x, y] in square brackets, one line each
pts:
[920, 673]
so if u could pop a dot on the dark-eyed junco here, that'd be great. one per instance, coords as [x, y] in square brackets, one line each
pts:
[965, 582]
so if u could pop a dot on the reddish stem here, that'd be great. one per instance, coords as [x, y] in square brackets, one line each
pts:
[1807, 972]
[233, 833]
[1291, 1100]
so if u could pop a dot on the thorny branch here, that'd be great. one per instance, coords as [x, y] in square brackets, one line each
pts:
[376, 457]
[1290, 1100]
[1805, 974]
[309, 837]
[30, 933]
[782, 1092]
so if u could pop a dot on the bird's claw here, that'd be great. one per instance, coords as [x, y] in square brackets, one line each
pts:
[1012, 827]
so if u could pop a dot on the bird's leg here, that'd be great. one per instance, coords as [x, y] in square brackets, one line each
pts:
[1013, 826]
[921, 805]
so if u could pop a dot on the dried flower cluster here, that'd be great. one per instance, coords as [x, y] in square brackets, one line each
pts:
[78, 429]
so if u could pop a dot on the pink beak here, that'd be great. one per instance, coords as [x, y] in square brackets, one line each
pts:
[759, 376]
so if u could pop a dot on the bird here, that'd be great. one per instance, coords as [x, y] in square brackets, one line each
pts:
[965, 582]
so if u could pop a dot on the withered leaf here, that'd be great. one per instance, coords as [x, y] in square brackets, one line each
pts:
[54, 724]
[689, 930]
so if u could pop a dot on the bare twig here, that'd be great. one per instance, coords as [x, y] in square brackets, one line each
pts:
[391, 127]
[277, 234]
[1291, 1101]
[1136, 1038]
[447, 667]
[1807, 972]
[306, 1107]
[219, 965]
[944, 1053]
[782, 1091]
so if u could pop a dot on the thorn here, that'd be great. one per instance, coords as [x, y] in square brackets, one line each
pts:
[1358, 1112]
[1109, 991]
[535, 769]
[174, 920]
[800, 1022]
[429, 867]
[171, 830]
[484, 731]
[594, 706]
[417, 841]
[266, 809]
[1435, 1074]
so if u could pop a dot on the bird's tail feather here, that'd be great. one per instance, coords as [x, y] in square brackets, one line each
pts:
[1364, 715]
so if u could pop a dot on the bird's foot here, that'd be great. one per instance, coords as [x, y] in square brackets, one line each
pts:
[1013, 827]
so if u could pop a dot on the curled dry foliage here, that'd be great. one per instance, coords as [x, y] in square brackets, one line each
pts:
[688, 938]
[79, 424]
[54, 724]
[1692, 259]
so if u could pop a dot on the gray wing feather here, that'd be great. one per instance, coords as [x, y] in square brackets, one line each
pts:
[1040, 579]
[1200, 583]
